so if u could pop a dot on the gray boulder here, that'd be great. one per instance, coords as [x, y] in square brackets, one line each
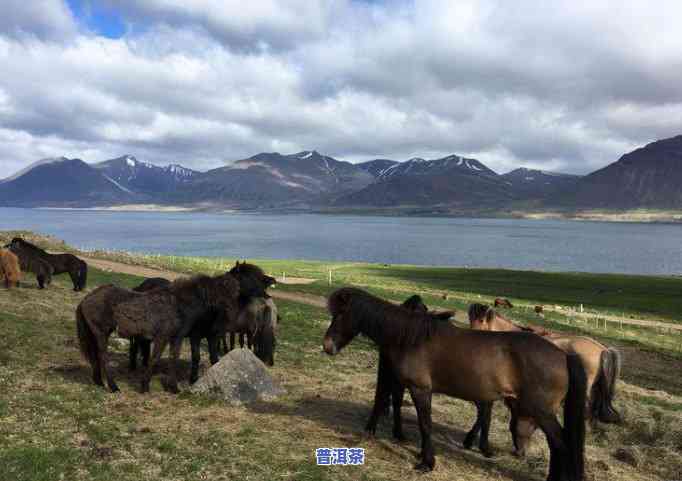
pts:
[238, 378]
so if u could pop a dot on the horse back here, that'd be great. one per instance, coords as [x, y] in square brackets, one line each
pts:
[487, 366]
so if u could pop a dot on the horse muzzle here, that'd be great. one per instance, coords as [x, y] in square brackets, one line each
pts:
[329, 346]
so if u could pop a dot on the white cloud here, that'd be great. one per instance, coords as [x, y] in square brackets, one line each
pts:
[568, 87]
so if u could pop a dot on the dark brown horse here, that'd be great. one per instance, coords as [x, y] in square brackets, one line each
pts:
[530, 374]
[601, 364]
[253, 283]
[388, 387]
[61, 263]
[164, 315]
[137, 343]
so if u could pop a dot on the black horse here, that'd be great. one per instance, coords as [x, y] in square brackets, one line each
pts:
[388, 386]
[61, 263]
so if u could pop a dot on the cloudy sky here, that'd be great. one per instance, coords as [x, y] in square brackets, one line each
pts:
[203, 82]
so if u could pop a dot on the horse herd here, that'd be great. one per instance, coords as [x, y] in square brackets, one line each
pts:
[533, 371]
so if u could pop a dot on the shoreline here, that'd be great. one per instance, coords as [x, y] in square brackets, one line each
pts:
[647, 216]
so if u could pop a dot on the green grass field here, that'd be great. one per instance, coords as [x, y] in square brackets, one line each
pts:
[55, 424]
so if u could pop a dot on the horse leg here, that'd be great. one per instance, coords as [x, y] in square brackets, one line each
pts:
[472, 435]
[145, 346]
[422, 401]
[176, 344]
[487, 413]
[397, 395]
[382, 393]
[222, 344]
[213, 354]
[132, 353]
[557, 449]
[241, 340]
[249, 340]
[74, 279]
[103, 354]
[195, 343]
[159, 347]
[232, 340]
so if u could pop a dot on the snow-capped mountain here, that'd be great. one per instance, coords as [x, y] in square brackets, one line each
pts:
[272, 179]
[62, 182]
[446, 165]
[451, 180]
[377, 167]
[144, 178]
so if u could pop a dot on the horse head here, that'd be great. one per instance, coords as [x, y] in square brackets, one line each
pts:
[343, 327]
[481, 317]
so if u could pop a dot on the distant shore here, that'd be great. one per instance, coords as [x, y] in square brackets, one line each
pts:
[596, 215]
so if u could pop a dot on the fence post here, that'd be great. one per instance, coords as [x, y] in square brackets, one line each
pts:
[330, 277]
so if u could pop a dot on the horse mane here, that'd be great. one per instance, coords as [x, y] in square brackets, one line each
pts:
[26, 244]
[415, 303]
[200, 286]
[477, 310]
[247, 269]
[384, 322]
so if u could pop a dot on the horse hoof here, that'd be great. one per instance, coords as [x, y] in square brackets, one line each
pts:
[399, 438]
[519, 454]
[488, 453]
[469, 441]
[423, 467]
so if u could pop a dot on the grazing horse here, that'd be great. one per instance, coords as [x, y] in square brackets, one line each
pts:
[10, 269]
[501, 302]
[61, 263]
[164, 315]
[388, 387]
[602, 367]
[253, 282]
[428, 356]
[258, 320]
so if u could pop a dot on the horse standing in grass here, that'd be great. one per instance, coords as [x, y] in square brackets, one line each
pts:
[388, 387]
[61, 263]
[164, 315]
[258, 319]
[10, 269]
[253, 283]
[602, 368]
[530, 374]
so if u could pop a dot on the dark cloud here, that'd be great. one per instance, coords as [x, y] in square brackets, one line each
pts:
[569, 86]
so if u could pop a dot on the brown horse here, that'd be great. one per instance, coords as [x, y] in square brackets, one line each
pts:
[61, 263]
[388, 387]
[501, 302]
[602, 368]
[9, 268]
[164, 315]
[428, 356]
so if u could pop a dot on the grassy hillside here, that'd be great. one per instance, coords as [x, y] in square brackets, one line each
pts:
[55, 424]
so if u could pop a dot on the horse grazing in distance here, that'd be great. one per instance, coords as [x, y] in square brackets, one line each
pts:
[501, 302]
[388, 387]
[10, 270]
[61, 263]
[163, 316]
[530, 374]
[602, 369]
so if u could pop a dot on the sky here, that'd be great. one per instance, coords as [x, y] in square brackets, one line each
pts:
[565, 86]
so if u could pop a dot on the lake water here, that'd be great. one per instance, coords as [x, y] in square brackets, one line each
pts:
[549, 245]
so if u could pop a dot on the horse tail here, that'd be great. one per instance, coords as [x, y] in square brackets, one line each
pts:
[86, 338]
[604, 388]
[574, 418]
[265, 338]
[82, 274]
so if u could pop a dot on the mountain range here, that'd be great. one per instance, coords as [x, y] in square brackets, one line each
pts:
[647, 177]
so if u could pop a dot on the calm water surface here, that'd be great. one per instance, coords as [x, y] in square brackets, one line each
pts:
[549, 245]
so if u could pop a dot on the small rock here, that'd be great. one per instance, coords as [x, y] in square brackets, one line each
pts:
[238, 378]
[629, 455]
